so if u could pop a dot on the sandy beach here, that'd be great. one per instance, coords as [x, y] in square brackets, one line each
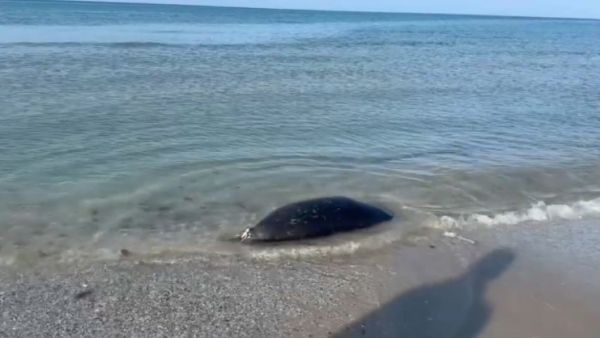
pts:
[530, 281]
[168, 130]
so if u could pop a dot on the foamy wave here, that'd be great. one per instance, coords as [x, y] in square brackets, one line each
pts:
[309, 251]
[343, 244]
[538, 212]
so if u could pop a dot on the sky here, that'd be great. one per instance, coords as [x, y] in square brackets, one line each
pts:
[544, 8]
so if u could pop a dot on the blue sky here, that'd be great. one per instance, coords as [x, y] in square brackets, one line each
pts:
[552, 8]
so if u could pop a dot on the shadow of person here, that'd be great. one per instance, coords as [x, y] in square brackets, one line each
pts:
[451, 309]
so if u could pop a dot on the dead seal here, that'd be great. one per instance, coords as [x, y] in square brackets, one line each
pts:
[316, 217]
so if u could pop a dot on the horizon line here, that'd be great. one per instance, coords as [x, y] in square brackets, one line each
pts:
[318, 10]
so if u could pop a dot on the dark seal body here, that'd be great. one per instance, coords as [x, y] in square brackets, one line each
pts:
[315, 218]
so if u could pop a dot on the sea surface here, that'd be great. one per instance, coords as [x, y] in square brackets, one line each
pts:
[168, 129]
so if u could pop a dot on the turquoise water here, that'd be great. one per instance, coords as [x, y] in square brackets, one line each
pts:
[166, 128]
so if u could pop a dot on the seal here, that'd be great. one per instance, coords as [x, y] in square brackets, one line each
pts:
[316, 217]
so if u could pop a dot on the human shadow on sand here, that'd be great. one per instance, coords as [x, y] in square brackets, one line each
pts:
[455, 308]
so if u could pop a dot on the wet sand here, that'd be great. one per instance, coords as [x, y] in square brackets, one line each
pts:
[526, 281]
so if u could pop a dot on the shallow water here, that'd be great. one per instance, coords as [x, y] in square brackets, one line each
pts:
[169, 128]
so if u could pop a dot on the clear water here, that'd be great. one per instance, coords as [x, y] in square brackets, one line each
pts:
[172, 128]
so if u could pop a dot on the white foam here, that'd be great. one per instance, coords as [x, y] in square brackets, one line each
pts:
[344, 244]
[6, 261]
[538, 212]
[307, 252]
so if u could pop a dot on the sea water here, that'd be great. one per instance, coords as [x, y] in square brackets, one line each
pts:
[173, 128]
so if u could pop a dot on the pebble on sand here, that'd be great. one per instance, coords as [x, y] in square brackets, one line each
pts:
[83, 294]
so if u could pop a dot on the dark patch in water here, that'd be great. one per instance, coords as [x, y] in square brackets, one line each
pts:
[126, 223]
[241, 205]
[164, 208]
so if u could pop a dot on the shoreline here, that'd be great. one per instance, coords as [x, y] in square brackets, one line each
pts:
[512, 283]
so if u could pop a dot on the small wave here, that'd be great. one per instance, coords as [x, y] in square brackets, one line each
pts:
[140, 44]
[538, 212]
[342, 245]
[127, 44]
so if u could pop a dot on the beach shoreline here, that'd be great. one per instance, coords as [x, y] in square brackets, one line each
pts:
[506, 285]
[135, 144]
